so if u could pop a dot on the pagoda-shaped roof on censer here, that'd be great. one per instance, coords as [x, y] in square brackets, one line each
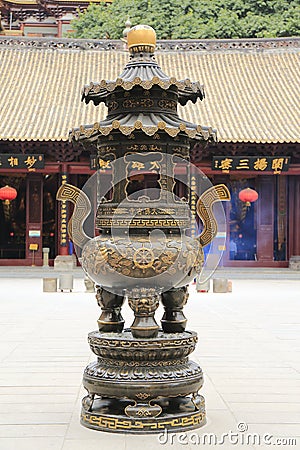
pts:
[143, 71]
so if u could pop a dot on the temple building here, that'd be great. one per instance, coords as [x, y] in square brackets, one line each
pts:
[252, 99]
[42, 18]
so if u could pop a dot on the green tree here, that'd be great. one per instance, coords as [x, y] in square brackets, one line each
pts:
[197, 19]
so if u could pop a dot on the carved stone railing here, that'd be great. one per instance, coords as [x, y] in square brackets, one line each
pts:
[212, 45]
[182, 45]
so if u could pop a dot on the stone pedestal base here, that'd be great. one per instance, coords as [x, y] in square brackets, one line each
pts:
[177, 415]
[220, 285]
[142, 385]
[49, 284]
[65, 282]
[46, 251]
[65, 262]
[294, 263]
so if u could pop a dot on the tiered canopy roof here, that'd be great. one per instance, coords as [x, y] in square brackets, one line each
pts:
[145, 76]
[142, 71]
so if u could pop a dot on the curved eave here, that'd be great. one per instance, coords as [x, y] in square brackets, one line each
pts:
[147, 124]
[191, 94]
[96, 98]
[187, 89]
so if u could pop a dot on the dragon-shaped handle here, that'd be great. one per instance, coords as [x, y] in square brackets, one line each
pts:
[204, 209]
[82, 208]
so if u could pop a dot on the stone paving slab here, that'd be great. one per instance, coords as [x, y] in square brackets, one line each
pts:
[248, 349]
[242, 273]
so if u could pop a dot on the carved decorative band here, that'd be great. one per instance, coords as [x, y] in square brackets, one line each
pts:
[173, 340]
[120, 363]
[105, 372]
[142, 223]
[163, 45]
[141, 104]
[126, 424]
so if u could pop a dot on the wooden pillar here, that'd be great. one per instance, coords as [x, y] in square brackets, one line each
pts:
[294, 216]
[34, 222]
[59, 28]
[265, 219]
[63, 216]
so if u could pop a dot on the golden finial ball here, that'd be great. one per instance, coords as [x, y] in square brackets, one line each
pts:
[141, 38]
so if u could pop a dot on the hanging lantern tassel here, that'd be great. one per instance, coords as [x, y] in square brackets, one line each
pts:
[248, 196]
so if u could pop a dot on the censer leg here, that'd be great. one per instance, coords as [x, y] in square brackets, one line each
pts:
[111, 319]
[173, 320]
[144, 303]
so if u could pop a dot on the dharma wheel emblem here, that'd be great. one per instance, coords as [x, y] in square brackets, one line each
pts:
[143, 258]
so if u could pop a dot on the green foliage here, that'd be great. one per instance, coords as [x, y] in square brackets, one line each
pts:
[193, 19]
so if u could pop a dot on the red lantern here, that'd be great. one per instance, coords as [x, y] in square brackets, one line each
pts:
[7, 194]
[248, 195]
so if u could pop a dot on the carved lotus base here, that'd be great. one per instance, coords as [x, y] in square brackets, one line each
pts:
[143, 385]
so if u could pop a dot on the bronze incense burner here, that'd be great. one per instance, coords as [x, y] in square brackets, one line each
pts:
[143, 380]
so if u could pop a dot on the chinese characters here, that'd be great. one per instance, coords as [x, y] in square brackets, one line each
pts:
[21, 161]
[276, 164]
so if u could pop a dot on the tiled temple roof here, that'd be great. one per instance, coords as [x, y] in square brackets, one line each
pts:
[252, 91]
[46, 2]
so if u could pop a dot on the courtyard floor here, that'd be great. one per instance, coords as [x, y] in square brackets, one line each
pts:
[249, 350]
